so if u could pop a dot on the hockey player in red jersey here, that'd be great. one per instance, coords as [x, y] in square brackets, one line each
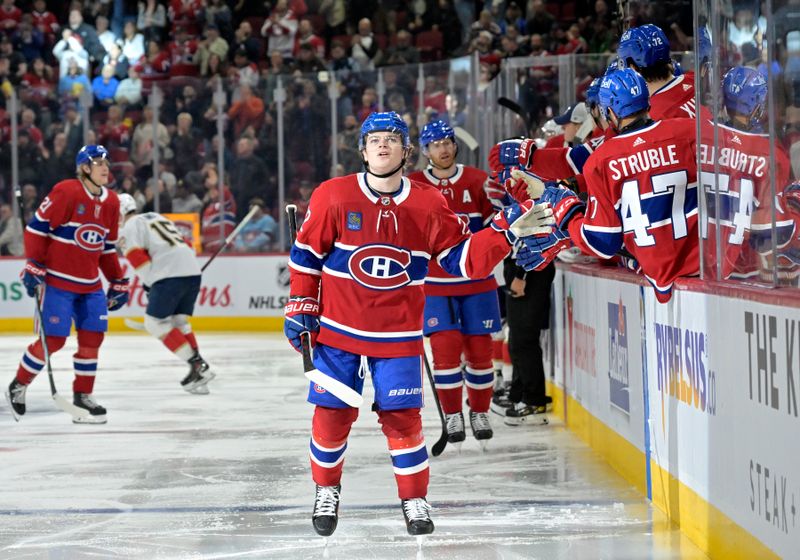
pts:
[645, 49]
[358, 271]
[167, 266]
[460, 314]
[739, 199]
[70, 240]
[642, 187]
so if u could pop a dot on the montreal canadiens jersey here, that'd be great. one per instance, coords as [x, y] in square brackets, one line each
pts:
[744, 206]
[156, 249]
[74, 235]
[643, 191]
[465, 195]
[366, 255]
[675, 100]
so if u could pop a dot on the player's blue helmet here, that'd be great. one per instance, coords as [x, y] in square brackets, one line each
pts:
[677, 69]
[435, 131]
[591, 93]
[615, 64]
[744, 91]
[645, 46]
[624, 91]
[89, 153]
[384, 122]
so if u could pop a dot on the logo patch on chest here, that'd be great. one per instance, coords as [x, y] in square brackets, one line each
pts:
[380, 267]
[354, 221]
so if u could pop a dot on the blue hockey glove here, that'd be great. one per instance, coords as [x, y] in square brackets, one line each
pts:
[117, 293]
[524, 219]
[564, 202]
[33, 276]
[545, 247]
[301, 316]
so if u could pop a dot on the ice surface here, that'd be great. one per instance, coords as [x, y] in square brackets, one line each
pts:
[174, 475]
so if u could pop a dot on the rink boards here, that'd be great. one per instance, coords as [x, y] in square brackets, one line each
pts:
[238, 293]
[695, 402]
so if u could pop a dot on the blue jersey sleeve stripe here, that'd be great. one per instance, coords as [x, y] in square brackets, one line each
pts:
[605, 244]
[304, 259]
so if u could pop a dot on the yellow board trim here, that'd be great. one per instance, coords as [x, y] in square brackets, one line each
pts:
[709, 528]
[220, 324]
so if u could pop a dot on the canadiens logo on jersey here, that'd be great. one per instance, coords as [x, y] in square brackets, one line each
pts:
[90, 237]
[380, 267]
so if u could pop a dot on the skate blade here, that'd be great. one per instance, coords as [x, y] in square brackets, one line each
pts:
[533, 420]
[11, 406]
[200, 390]
[484, 444]
[500, 410]
[202, 382]
[456, 445]
[99, 419]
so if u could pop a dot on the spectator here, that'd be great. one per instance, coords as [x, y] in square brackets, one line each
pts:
[105, 86]
[307, 61]
[346, 67]
[10, 17]
[72, 126]
[10, 233]
[17, 63]
[182, 54]
[258, 235]
[116, 131]
[572, 42]
[28, 41]
[129, 91]
[28, 123]
[348, 153]
[118, 61]
[142, 144]
[132, 43]
[57, 162]
[106, 37]
[152, 20]
[509, 47]
[30, 200]
[185, 143]
[540, 21]
[29, 156]
[185, 200]
[243, 39]
[74, 82]
[70, 48]
[245, 112]
[743, 28]
[211, 45]
[512, 19]
[485, 24]
[154, 66]
[164, 200]
[369, 104]
[38, 83]
[249, 176]
[403, 52]
[218, 13]
[305, 36]
[280, 29]
[185, 14]
[219, 219]
[46, 22]
[365, 49]
[334, 12]
[243, 72]
[88, 35]
[446, 20]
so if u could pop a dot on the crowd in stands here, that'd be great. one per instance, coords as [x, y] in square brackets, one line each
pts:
[51, 52]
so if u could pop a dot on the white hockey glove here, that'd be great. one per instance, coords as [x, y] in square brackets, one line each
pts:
[523, 220]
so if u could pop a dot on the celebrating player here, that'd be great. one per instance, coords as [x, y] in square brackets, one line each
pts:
[358, 268]
[739, 198]
[642, 187]
[460, 314]
[168, 268]
[71, 238]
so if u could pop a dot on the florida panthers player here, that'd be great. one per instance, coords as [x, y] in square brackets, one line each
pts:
[358, 270]
[70, 240]
[168, 268]
[460, 314]
[739, 199]
[642, 187]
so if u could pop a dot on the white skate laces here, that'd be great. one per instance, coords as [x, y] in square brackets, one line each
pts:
[417, 509]
[17, 392]
[326, 501]
[480, 421]
[455, 423]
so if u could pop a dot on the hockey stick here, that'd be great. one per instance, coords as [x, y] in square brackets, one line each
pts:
[439, 446]
[333, 386]
[515, 107]
[61, 402]
[139, 326]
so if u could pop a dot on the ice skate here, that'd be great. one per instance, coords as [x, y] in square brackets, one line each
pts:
[97, 414]
[416, 512]
[326, 510]
[455, 429]
[16, 398]
[199, 375]
[526, 414]
[481, 428]
[501, 403]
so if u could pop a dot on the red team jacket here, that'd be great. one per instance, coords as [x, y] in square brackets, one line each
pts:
[74, 235]
[367, 256]
[465, 195]
[643, 190]
[743, 209]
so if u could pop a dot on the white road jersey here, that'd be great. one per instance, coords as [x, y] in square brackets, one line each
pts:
[156, 250]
